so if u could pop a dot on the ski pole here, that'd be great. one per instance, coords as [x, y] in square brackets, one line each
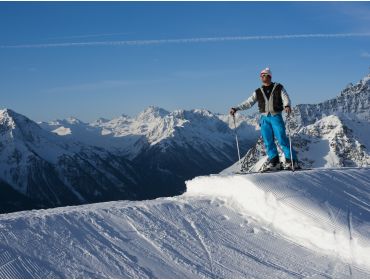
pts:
[290, 142]
[237, 141]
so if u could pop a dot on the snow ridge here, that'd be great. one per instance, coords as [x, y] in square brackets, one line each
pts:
[310, 224]
[307, 207]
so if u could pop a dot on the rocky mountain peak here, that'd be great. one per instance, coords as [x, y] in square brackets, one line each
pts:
[152, 112]
[13, 124]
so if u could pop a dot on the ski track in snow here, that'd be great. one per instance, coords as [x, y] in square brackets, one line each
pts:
[12, 265]
[206, 233]
[202, 242]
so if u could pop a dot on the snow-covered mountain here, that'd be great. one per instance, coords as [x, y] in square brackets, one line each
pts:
[352, 103]
[311, 224]
[168, 147]
[47, 170]
[155, 126]
[333, 133]
[68, 161]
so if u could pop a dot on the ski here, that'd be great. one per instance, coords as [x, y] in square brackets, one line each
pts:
[271, 171]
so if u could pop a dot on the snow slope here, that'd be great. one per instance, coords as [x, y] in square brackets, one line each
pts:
[322, 209]
[283, 225]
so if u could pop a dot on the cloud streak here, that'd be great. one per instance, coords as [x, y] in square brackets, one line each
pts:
[184, 41]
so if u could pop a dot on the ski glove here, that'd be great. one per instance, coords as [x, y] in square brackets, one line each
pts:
[288, 110]
[233, 111]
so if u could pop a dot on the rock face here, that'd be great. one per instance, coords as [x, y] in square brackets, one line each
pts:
[334, 133]
[68, 162]
[352, 103]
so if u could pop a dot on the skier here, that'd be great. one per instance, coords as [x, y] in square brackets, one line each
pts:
[272, 99]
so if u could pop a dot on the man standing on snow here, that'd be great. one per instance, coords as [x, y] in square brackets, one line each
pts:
[272, 99]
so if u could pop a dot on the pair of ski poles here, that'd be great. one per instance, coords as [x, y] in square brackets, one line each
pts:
[290, 140]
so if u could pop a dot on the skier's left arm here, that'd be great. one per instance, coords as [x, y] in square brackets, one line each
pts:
[286, 101]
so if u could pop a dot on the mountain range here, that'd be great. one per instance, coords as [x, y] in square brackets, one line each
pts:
[69, 162]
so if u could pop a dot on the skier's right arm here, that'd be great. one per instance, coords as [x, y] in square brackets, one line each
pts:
[246, 104]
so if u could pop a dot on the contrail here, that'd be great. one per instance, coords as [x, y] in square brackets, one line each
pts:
[185, 40]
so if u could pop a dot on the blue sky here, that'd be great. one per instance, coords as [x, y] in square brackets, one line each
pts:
[46, 81]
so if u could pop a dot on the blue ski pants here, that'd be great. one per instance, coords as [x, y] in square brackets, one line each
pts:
[272, 126]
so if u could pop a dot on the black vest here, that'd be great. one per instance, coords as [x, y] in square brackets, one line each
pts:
[277, 100]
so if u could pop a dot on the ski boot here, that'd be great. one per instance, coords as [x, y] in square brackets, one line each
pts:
[287, 165]
[271, 165]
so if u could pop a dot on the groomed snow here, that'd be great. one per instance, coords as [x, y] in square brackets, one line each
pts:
[322, 209]
[312, 224]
